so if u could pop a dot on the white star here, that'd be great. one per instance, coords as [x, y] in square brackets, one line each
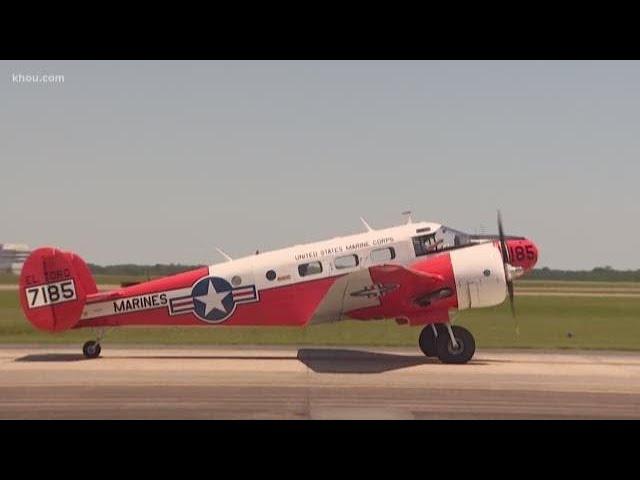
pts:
[212, 300]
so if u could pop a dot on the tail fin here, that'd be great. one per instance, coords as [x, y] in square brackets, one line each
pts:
[54, 285]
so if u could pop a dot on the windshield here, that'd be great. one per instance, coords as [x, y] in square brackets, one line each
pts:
[452, 237]
[444, 238]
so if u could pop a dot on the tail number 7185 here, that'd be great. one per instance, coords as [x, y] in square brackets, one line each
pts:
[51, 293]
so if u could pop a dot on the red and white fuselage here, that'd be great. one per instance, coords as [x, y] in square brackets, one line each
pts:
[408, 272]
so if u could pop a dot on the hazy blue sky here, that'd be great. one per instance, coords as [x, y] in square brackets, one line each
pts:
[161, 161]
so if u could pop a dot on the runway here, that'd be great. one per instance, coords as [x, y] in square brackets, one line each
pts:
[52, 382]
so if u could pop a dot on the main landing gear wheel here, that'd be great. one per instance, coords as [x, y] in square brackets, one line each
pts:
[91, 349]
[464, 351]
[427, 339]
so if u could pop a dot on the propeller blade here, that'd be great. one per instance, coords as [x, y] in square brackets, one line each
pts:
[512, 305]
[503, 243]
[507, 271]
[510, 289]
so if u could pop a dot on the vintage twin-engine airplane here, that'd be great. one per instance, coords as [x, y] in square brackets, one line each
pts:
[417, 273]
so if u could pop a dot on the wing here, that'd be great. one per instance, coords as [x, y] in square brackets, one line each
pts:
[394, 291]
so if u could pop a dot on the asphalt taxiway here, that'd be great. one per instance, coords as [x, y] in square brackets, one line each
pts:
[52, 382]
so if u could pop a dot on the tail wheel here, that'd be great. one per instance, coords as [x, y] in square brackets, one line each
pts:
[464, 351]
[427, 339]
[91, 349]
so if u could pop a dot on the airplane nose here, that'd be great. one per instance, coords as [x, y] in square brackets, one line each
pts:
[522, 253]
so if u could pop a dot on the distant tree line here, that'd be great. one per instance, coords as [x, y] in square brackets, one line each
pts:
[598, 274]
[604, 274]
[157, 270]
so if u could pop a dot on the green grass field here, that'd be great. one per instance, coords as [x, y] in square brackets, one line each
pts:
[594, 322]
[527, 283]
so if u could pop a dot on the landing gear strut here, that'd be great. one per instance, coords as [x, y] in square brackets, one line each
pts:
[456, 346]
[451, 344]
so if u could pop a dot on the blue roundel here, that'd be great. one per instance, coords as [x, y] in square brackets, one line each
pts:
[213, 299]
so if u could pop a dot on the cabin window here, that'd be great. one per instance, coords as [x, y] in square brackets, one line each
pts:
[346, 261]
[271, 275]
[380, 255]
[311, 268]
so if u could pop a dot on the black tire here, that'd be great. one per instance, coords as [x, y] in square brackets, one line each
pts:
[466, 346]
[91, 349]
[427, 340]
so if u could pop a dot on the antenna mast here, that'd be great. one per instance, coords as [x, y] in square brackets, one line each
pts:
[366, 225]
[227, 257]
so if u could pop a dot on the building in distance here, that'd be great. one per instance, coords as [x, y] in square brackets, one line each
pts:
[13, 256]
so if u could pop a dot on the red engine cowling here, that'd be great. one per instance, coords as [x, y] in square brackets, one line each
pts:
[53, 288]
[522, 253]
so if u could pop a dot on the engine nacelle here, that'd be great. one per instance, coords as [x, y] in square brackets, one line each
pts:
[479, 276]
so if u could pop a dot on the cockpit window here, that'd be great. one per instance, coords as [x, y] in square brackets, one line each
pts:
[426, 244]
[454, 238]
